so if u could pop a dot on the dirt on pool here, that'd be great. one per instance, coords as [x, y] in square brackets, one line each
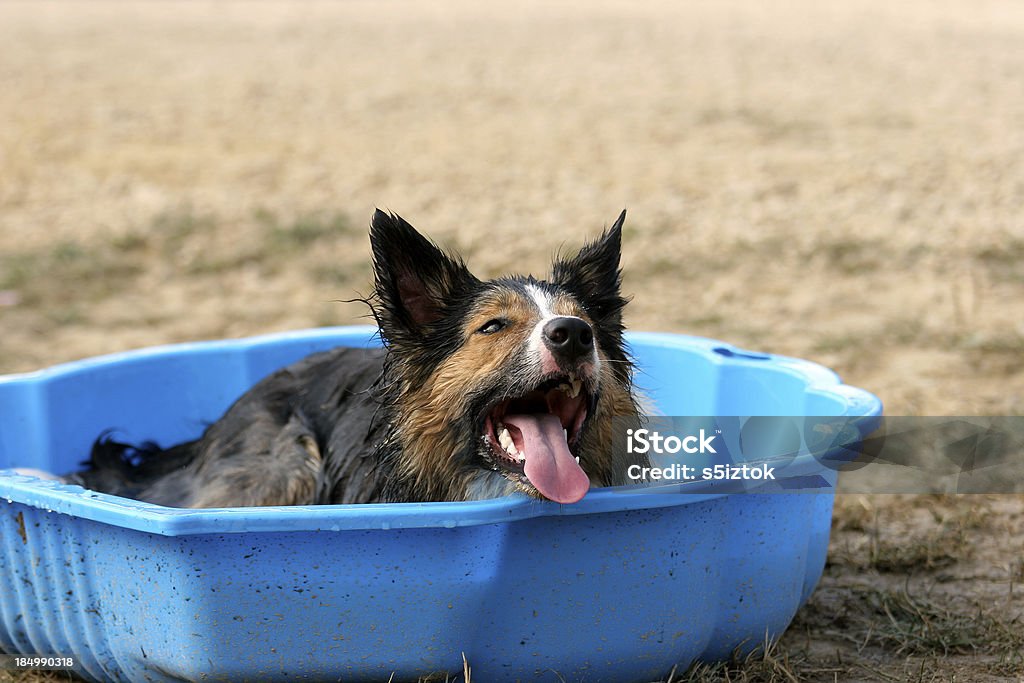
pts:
[842, 182]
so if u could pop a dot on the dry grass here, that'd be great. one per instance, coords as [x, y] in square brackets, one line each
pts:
[839, 181]
[37, 677]
[768, 664]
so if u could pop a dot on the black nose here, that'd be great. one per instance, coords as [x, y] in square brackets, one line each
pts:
[568, 338]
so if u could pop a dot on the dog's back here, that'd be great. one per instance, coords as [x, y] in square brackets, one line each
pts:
[304, 435]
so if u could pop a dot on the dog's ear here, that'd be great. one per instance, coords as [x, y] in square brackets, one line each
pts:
[413, 278]
[594, 276]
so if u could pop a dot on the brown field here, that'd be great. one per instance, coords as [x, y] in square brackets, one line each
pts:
[836, 181]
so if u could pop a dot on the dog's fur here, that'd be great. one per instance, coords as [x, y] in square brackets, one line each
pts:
[419, 419]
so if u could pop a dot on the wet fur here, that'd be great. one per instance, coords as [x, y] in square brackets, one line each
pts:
[399, 423]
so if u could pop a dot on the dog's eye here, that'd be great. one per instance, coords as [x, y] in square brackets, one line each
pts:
[492, 326]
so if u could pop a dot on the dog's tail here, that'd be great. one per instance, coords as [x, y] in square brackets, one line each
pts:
[125, 469]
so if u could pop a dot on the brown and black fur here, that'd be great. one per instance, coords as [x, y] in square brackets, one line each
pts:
[401, 423]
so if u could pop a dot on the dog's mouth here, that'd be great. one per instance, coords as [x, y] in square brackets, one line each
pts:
[534, 436]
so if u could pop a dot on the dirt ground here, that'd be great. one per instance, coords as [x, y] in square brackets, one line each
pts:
[836, 181]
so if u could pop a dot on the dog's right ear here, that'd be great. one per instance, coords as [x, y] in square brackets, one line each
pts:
[414, 280]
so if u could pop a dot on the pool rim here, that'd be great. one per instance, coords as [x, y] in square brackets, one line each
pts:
[167, 521]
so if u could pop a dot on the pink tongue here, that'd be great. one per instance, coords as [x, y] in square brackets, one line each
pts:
[549, 465]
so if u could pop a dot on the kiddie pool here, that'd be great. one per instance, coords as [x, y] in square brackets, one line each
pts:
[622, 586]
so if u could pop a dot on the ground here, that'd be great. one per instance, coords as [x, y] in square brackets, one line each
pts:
[836, 181]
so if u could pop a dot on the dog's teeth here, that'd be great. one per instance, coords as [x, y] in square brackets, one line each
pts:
[511, 449]
[565, 433]
[570, 388]
[505, 439]
[577, 460]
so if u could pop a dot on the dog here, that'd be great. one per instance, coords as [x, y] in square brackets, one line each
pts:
[481, 389]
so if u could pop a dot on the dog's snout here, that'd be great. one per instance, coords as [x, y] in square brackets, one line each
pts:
[568, 337]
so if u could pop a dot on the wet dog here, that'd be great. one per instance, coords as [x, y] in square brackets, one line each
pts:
[482, 388]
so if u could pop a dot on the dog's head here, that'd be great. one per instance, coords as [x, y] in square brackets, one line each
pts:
[503, 384]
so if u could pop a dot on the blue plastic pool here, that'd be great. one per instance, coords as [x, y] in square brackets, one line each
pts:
[620, 587]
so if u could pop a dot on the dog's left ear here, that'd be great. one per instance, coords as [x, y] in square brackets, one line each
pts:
[594, 276]
[414, 280]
